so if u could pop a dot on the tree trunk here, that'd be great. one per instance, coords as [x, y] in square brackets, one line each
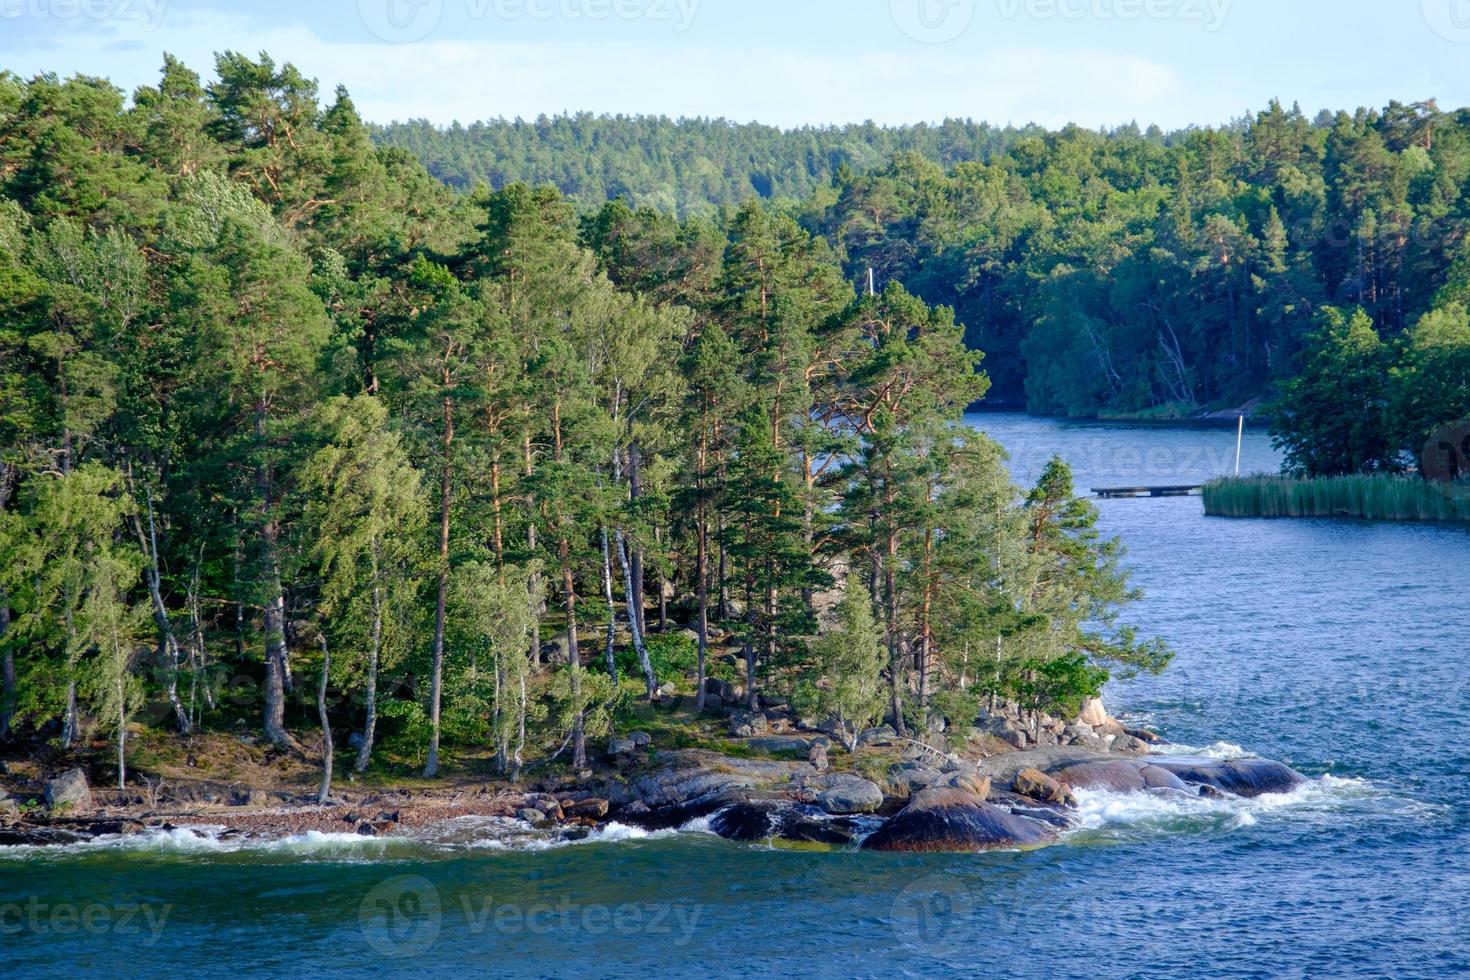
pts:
[635, 587]
[926, 633]
[122, 733]
[325, 792]
[375, 647]
[535, 582]
[168, 644]
[612, 610]
[895, 646]
[574, 657]
[569, 590]
[436, 688]
[649, 677]
[275, 668]
[69, 722]
[7, 671]
[7, 655]
[752, 697]
[701, 589]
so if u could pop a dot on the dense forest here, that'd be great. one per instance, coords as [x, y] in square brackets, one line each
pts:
[1119, 273]
[281, 414]
[686, 167]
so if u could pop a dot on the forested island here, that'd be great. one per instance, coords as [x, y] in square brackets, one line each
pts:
[307, 452]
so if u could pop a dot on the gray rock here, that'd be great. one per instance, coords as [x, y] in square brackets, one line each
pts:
[946, 819]
[1037, 785]
[1118, 775]
[69, 791]
[1015, 739]
[641, 739]
[1127, 743]
[530, 816]
[723, 690]
[817, 757]
[911, 779]
[621, 746]
[774, 744]
[883, 735]
[1240, 777]
[845, 795]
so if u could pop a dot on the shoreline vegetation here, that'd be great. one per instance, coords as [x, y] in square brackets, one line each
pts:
[989, 787]
[1377, 497]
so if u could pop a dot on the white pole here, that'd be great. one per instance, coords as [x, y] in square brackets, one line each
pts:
[1239, 445]
[872, 286]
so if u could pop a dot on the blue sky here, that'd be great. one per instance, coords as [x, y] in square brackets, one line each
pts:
[788, 62]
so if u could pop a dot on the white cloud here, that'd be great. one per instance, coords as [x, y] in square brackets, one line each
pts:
[444, 80]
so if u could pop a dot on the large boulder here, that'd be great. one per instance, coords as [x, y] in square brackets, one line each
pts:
[1117, 775]
[841, 794]
[758, 820]
[776, 744]
[693, 783]
[1241, 777]
[946, 819]
[1037, 785]
[1094, 713]
[69, 792]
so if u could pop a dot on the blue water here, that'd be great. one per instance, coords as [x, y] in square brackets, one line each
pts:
[1339, 646]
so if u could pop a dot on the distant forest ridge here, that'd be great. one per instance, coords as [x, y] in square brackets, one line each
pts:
[1126, 272]
[691, 165]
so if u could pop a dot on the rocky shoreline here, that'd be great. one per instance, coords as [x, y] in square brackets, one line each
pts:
[1013, 792]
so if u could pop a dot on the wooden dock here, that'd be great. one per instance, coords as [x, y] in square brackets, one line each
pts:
[1115, 493]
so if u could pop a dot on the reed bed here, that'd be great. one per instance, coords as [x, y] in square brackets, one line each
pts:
[1377, 497]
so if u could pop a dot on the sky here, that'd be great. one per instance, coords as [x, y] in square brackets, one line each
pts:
[1096, 63]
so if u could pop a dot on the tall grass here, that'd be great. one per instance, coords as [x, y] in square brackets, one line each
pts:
[1376, 497]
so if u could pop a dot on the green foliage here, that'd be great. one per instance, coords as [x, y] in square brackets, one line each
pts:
[671, 654]
[351, 403]
[845, 671]
[1379, 497]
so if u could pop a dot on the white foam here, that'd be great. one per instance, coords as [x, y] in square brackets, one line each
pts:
[1329, 797]
[1220, 750]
